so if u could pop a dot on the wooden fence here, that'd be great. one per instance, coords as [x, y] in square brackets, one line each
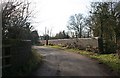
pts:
[15, 54]
[6, 56]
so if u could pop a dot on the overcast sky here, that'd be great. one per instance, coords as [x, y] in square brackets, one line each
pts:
[54, 14]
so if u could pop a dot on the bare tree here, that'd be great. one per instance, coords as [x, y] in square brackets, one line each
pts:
[76, 24]
[88, 26]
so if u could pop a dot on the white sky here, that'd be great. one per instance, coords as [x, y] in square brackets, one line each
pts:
[54, 14]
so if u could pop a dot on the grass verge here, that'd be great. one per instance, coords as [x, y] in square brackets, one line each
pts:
[111, 60]
[34, 61]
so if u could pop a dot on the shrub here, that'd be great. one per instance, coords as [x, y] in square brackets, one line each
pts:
[51, 44]
[110, 47]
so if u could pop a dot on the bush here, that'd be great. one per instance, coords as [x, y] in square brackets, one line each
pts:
[70, 45]
[110, 47]
[88, 48]
[51, 44]
[33, 62]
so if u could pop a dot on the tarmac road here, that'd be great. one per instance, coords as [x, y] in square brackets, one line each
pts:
[61, 63]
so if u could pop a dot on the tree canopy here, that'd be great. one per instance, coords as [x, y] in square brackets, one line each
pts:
[15, 20]
[105, 23]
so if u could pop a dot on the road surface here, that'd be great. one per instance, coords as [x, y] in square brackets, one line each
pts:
[61, 63]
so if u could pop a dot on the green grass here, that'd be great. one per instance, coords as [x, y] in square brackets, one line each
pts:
[58, 47]
[111, 60]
